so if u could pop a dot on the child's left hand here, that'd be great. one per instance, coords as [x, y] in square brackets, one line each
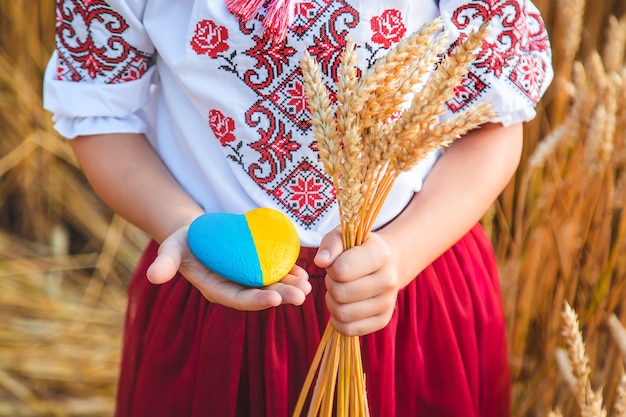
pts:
[362, 283]
[176, 256]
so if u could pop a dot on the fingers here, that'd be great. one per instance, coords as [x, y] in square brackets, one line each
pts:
[241, 298]
[362, 286]
[361, 261]
[291, 290]
[175, 256]
[298, 278]
[363, 327]
[294, 287]
[369, 296]
[363, 317]
[288, 293]
[219, 290]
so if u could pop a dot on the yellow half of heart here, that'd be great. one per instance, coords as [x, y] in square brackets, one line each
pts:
[276, 241]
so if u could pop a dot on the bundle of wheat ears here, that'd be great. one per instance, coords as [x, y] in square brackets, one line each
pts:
[364, 149]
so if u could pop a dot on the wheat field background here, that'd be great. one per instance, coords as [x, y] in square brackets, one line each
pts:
[559, 230]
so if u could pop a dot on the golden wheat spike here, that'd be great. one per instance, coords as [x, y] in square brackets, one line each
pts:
[620, 401]
[615, 47]
[379, 145]
[576, 350]
[428, 104]
[346, 85]
[322, 117]
[443, 134]
[383, 87]
[570, 15]
[589, 401]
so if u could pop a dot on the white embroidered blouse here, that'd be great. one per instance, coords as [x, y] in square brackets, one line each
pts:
[225, 109]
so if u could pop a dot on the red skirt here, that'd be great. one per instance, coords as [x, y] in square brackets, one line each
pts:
[443, 353]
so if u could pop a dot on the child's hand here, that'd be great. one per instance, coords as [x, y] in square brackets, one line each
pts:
[362, 283]
[175, 255]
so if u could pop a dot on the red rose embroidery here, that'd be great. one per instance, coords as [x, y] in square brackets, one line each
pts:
[388, 28]
[222, 126]
[209, 38]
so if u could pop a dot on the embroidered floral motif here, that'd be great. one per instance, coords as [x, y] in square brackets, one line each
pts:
[306, 193]
[209, 38]
[91, 46]
[222, 126]
[517, 50]
[529, 75]
[326, 49]
[272, 57]
[279, 149]
[388, 28]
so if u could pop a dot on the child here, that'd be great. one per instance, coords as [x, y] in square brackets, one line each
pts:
[180, 107]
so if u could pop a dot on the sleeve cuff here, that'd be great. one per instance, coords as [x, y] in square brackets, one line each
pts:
[82, 99]
[71, 127]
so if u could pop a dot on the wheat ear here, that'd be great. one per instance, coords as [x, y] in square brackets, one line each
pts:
[383, 87]
[322, 115]
[429, 104]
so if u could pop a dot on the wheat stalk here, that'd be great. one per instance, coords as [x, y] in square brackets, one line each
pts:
[429, 104]
[590, 402]
[615, 47]
[322, 117]
[620, 402]
[384, 86]
[359, 149]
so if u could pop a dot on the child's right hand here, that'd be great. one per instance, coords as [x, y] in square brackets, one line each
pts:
[175, 255]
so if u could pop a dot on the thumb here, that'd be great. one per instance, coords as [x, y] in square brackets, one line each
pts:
[330, 248]
[166, 264]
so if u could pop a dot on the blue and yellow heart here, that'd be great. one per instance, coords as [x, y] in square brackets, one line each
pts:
[255, 249]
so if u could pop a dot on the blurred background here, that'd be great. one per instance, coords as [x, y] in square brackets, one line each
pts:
[559, 230]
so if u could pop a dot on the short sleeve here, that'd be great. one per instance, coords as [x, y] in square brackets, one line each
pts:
[513, 68]
[100, 75]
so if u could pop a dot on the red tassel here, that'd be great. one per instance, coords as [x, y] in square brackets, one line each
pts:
[277, 16]
[276, 22]
[244, 9]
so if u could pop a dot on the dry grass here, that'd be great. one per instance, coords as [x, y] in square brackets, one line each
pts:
[64, 258]
[558, 231]
[559, 228]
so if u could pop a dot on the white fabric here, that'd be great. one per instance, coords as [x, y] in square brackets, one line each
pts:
[225, 110]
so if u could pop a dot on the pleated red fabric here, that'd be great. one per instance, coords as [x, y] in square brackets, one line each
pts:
[443, 353]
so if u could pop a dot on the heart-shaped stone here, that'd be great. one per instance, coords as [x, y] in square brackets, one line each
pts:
[255, 249]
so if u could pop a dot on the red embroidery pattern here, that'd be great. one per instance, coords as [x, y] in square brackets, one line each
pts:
[222, 126]
[278, 148]
[271, 57]
[469, 89]
[304, 9]
[518, 52]
[306, 192]
[279, 158]
[530, 72]
[388, 28]
[209, 39]
[90, 44]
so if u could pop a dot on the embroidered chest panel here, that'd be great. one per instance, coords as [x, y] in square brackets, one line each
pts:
[275, 147]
